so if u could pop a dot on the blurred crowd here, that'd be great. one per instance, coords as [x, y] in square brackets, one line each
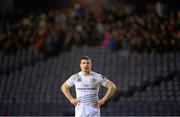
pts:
[115, 26]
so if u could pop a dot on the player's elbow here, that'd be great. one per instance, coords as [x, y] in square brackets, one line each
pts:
[64, 87]
[113, 86]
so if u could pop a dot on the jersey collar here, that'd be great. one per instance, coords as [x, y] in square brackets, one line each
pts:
[82, 73]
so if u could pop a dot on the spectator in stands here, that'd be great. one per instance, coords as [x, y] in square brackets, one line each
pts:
[94, 26]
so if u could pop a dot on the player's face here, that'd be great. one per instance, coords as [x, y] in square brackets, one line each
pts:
[85, 65]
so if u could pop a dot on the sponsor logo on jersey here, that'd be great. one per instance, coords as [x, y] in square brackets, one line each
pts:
[86, 88]
[86, 85]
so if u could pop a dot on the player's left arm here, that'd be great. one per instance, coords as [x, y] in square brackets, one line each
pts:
[111, 87]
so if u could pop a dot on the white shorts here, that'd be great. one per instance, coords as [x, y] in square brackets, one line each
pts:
[86, 110]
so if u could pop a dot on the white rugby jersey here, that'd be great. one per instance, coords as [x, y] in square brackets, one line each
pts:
[87, 87]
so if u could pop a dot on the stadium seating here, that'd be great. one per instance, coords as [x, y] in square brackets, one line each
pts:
[147, 84]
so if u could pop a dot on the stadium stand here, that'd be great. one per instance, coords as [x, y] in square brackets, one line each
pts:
[137, 49]
[145, 87]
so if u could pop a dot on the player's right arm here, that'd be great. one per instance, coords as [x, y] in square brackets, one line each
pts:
[65, 90]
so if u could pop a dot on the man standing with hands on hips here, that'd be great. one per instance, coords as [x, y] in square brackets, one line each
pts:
[87, 83]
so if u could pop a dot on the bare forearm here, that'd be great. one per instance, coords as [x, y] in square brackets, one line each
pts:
[111, 89]
[66, 92]
[109, 92]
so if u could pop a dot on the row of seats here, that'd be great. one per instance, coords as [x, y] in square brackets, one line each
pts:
[125, 108]
[16, 61]
[146, 77]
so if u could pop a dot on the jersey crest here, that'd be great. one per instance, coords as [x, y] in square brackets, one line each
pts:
[78, 78]
[94, 80]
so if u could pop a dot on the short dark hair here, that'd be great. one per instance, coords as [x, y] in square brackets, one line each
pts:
[85, 58]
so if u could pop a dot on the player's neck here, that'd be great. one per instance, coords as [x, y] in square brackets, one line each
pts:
[86, 72]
